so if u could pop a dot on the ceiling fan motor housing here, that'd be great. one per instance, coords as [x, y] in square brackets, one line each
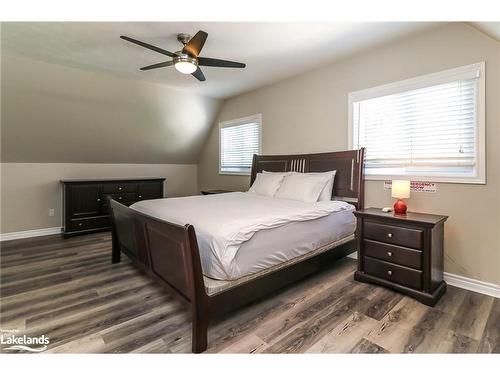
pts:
[184, 57]
[183, 38]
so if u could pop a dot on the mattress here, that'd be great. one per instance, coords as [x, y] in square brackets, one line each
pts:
[240, 234]
[213, 286]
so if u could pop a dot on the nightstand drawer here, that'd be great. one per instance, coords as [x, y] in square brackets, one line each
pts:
[393, 234]
[392, 253]
[392, 272]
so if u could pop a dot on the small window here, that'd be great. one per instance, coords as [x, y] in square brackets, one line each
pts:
[429, 127]
[239, 140]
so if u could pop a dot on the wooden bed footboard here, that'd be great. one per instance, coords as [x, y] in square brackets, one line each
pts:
[168, 253]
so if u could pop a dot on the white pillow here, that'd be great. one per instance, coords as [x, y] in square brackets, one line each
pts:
[278, 173]
[266, 184]
[302, 187]
[326, 193]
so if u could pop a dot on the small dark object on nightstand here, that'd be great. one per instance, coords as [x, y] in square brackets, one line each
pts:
[209, 192]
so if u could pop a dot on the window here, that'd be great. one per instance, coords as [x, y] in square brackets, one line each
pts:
[239, 140]
[429, 127]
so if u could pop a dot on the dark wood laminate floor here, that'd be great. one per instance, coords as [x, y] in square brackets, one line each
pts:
[70, 291]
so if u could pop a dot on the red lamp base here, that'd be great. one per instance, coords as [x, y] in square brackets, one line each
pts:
[400, 207]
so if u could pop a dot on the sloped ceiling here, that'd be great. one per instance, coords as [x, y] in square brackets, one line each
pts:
[53, 113]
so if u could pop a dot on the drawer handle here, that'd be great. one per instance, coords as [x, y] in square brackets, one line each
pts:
[98, 199]
[120, 198]
[140, 196]
[80, 224]
[119, 188]
[389, 253]
[389, 235]
[389, 273]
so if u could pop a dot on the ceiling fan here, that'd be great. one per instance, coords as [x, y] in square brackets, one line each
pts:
[187, 60]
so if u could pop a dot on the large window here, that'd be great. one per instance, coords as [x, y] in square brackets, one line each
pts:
[429, 128]
[239, 140]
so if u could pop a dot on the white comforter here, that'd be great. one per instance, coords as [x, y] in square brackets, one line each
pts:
[223, 222]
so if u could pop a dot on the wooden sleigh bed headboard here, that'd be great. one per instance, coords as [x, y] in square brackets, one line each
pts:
[348, 184]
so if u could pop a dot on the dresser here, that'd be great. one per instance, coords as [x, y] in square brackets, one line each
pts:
[85, 207]
[402, 252]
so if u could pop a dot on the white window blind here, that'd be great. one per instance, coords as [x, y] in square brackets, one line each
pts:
[239, 141]
[429, 131]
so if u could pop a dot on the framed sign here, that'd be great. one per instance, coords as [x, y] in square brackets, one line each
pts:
[417, 186]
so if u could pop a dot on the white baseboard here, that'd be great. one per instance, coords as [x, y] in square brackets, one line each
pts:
[463, 282]
[29, 233]
[474, 285]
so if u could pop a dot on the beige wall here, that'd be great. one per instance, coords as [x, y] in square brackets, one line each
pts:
[29, 190]
[308, 113]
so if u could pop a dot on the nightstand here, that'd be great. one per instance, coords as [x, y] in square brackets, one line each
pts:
[402, 252]
[209, 192]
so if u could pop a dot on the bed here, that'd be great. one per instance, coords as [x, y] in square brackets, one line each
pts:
[254, 245]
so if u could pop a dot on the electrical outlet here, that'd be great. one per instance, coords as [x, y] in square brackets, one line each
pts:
[51, 212]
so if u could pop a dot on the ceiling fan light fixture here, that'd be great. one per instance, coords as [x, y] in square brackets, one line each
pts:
[185, 64]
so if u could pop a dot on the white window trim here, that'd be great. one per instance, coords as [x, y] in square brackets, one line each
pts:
[240, 121]
[462, 72]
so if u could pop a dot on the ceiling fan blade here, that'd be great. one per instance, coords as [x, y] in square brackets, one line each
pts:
[159, 65]
[148, 46]
[195, 44]
[207, 61]
[199, 74]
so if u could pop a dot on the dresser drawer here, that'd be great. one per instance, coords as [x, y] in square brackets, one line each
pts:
[123, 197]
[392, 272]
[393, 234]
[125, 187]
[90, 223]
[149, 190]
[392, 253]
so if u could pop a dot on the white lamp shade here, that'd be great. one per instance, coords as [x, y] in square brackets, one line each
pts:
[400, 189]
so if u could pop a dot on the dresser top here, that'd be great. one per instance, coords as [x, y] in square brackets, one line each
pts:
[118, 179]
[414, 217]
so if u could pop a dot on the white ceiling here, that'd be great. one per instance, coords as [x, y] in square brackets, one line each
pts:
[272, 51]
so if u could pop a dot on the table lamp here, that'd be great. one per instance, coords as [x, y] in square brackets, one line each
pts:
[400, 189]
